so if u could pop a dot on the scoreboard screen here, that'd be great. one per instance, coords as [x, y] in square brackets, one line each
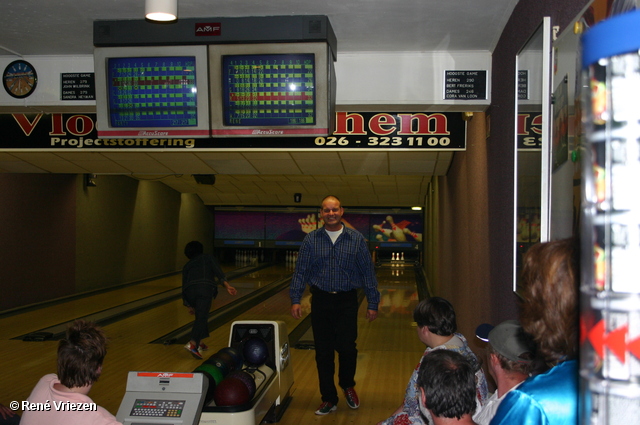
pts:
[152, 92]
[269, 90]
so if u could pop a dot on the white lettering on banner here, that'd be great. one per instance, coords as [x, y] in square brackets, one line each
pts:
[267, 132]
[153, 133]
[385, 142]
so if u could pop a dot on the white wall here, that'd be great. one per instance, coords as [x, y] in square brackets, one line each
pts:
[365, 81]
[46, 97]
[406, 79]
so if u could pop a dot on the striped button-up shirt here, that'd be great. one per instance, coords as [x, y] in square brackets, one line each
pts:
[338, 267]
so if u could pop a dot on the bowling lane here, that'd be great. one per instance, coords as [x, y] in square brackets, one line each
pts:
[277, 307]
[156, 322]
[394, 330]
[30, 321]
[398, 299]
[15, 325]
[388, 351]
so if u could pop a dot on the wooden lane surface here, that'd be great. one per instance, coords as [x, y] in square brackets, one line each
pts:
[388, 352]
[123, 356]
[23, 363]
[154, 323]
[31, 321]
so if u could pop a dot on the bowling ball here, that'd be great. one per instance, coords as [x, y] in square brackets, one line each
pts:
[212, 370]
[239, 361]
[215, 360]
[228, 360]
[248, 380]
[211, 388]
[255, 351]
[231, 392]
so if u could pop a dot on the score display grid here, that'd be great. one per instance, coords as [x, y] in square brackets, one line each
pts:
[152, 91]
[269, 90]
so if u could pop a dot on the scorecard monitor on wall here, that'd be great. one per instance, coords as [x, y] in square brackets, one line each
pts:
[272, 89]
[152, 91]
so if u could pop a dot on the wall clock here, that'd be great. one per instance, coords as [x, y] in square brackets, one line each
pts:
[19, 79]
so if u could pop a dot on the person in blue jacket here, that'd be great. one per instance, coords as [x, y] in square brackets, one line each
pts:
[550, 276]
[335, 261]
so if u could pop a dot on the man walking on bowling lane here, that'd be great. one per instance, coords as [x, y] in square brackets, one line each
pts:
[334, 261]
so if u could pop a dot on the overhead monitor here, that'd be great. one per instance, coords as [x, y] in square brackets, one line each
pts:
[152, 91]
[272, 89]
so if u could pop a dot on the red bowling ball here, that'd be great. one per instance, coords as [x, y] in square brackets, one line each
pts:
[248, 380]
[231, 392]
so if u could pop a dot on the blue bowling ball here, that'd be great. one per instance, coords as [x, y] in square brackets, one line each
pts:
[255, 352]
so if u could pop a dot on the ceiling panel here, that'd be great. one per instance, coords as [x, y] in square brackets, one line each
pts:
[276, 166]
[231, 166]
[250, 179]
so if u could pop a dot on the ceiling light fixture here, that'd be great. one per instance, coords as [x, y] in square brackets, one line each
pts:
[161, 10]
[416, 208]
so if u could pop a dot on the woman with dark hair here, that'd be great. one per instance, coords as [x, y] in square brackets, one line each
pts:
[550, 274]
[199, 289]
[80, 357]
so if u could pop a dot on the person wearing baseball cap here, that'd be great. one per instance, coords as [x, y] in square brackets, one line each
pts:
[510, 354]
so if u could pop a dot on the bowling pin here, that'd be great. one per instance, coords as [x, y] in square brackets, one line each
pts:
[385, 232]
[416, 236]
[402, 256]
[397, 232]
